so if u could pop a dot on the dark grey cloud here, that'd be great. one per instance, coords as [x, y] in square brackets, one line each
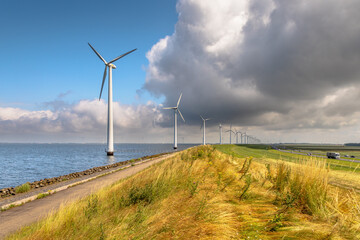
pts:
[272, 63]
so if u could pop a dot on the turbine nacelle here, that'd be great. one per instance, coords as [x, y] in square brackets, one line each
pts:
[111, 65]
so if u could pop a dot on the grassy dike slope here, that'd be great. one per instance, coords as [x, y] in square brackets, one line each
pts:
[202, 193]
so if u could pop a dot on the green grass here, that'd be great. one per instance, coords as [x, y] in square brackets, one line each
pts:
[42, 195]
[23, 188]
[264, 151]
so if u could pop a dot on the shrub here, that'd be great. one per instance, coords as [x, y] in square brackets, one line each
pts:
[23, 188]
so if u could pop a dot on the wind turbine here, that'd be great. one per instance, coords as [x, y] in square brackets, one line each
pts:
[220, 129]
[110, 123]
[204, 120]
[245, 138]
[176, 110]
[230, 131]
[242, 137]
[237, 136]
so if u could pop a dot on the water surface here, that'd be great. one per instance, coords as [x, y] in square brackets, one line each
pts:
[22, 163]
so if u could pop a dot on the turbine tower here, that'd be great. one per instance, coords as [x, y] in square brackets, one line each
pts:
[245, 138]
[110, 123]
[230, 131]
[242, 137]
[203, 126]
[237, 136]
[176, 110]
[220, 129]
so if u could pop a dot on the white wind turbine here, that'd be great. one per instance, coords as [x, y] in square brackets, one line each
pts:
[230, 131]
[220, 129]
[176, 110]
[245, 138]
[237, 136]
[110, 123]
[203, 126]
[242, 136]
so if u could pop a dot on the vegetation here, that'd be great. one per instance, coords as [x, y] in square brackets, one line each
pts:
[202, 193]
[265, 151]
[23, 188]
[42, 195]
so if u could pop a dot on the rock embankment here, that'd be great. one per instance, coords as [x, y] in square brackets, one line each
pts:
[5, 192]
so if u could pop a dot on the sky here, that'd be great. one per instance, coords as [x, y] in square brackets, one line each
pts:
[283, 71]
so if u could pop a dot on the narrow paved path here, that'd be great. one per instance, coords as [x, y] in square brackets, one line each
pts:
[13, 219]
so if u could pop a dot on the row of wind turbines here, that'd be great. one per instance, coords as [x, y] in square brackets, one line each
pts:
[245, 138]
[110, 124]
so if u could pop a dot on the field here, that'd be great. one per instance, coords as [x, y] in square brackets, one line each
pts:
[345, 174]
[265, 151]
[323, 149]
[221, 192]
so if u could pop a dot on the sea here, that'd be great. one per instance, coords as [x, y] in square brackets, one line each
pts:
[23, 162]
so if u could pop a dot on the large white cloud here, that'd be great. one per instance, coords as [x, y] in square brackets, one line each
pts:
[85, 119]
[274, 64]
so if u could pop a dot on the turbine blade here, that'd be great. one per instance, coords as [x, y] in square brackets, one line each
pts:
[207, 119]
[181, 115]
[168, 108]
[179, 100]
[103, 81]
[115, 59]
[98, 54]
[202, 118]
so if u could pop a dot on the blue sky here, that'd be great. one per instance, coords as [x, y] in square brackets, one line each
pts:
[44, 48]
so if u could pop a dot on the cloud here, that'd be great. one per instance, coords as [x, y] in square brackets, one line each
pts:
[85, 118]
[272, 64]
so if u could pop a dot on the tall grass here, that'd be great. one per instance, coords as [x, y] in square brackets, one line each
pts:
[303, 185]
[178, 197]
[203, 194]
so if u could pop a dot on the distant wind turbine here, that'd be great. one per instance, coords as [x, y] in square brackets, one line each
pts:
[176, 110]
[242, 137]
[110, 123]
[245, 138]
[237, 136]
[220, 130]
[203, 126]
[230, 131]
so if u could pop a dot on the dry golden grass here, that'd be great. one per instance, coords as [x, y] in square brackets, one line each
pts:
[203, 194]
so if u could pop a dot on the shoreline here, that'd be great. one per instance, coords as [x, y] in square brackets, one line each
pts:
[49, 185]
